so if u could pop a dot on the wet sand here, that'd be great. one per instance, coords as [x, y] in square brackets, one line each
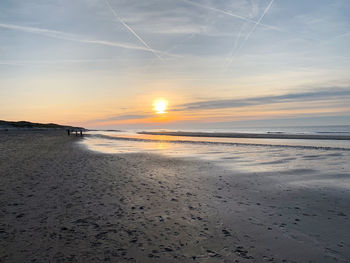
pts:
[62, 203]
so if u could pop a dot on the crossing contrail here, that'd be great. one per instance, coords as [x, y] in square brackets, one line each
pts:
[259, 21]
[228, 13]
[132, 31]
[251, 31]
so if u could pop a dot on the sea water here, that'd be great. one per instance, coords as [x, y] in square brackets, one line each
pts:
[307, 162]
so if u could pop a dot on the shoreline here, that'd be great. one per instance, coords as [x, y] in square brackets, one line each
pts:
[250, 135]
[65, 203]
[221, 143]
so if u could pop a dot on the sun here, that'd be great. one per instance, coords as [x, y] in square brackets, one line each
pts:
[160, 106]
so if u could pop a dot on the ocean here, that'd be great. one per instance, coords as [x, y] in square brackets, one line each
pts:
[306, 162]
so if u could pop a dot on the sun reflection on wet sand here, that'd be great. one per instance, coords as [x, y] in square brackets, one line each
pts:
[239, 157]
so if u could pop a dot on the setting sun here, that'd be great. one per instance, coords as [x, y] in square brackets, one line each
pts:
[160, 106]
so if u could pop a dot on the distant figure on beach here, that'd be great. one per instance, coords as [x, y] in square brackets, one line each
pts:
[81, 133]
[68, 132]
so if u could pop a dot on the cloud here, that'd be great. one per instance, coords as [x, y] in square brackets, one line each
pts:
[71, 37]
[123, 117]
[54, 62]
[332, 93]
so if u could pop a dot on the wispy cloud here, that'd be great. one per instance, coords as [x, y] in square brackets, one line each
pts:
[54, 62]
[12, 63]
[132, 31]
[283, 110]
[332, 93]
[71, 37]
[123, 117]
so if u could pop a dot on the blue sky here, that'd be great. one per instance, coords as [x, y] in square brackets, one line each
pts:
[102, 63]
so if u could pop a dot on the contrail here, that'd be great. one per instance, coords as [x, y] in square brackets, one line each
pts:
[231, 56]
[228, 13]
[252, 30]
[236, 42]
[71, 37]
[132, 31]
[261, 18]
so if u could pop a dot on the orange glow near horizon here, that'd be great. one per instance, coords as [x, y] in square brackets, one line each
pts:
[167, 109]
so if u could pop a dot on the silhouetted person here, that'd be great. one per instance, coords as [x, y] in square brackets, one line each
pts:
[81, 133]
[68, 132]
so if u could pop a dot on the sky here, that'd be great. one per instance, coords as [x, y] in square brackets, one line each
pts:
[217, 63]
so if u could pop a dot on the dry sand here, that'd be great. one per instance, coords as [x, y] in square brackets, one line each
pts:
[62, 203]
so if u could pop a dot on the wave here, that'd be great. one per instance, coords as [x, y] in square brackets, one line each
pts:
[102, 136]
[336, 132]
[249, 135]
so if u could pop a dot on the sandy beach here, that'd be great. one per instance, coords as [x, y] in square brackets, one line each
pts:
[63, 203]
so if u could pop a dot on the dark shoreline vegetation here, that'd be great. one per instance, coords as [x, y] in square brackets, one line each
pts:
[32, 125]
[250, 135]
